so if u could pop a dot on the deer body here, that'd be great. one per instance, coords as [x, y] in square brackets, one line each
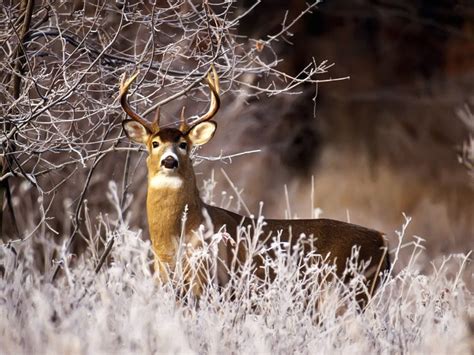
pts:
[172, 190]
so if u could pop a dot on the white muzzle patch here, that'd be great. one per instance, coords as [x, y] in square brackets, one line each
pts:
[169, 153]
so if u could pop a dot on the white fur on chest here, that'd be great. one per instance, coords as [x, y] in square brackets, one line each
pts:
[163, 181]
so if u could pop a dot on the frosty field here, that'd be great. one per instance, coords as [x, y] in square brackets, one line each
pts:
[123, 309]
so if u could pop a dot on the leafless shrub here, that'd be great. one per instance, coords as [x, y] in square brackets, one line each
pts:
[59, 115]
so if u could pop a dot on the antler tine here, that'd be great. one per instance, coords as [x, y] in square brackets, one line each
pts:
[123, 91]
[155, 125]
[183, 126]
[213, 83]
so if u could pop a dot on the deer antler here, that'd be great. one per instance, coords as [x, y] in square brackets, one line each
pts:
[213, 83]
[123, 91]
[183, 126]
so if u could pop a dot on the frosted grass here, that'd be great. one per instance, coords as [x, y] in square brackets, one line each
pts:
[124, 309]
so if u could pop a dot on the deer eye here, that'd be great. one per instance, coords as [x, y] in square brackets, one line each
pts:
[155, 144]
[183, 145]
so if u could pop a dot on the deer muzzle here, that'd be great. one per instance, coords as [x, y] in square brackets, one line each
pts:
[170, 162]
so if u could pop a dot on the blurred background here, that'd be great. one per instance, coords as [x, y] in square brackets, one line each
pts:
[387, 140]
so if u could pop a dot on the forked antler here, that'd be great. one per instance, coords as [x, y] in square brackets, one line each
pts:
[123, 91]
[212, 82]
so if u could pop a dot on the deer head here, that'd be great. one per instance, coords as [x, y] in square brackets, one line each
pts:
[169, 148]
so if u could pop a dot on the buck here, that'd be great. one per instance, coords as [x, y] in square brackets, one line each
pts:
[172, 190]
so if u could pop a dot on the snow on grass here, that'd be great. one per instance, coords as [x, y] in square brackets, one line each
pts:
[124, 309]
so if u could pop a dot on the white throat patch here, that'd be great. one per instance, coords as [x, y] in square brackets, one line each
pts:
[163, 181]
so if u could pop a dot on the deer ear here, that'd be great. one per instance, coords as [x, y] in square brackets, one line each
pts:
[135, 131]
[202, 132]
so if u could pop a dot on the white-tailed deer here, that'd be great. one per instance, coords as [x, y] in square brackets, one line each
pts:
[172, 190]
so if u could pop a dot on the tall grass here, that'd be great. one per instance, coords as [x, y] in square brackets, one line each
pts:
[124, 309]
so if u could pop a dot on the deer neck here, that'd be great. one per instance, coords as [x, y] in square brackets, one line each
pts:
[166, 206]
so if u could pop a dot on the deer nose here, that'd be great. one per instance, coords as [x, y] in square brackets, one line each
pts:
[169, 162]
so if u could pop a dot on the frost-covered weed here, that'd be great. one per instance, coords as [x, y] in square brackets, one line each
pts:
[124, 309]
